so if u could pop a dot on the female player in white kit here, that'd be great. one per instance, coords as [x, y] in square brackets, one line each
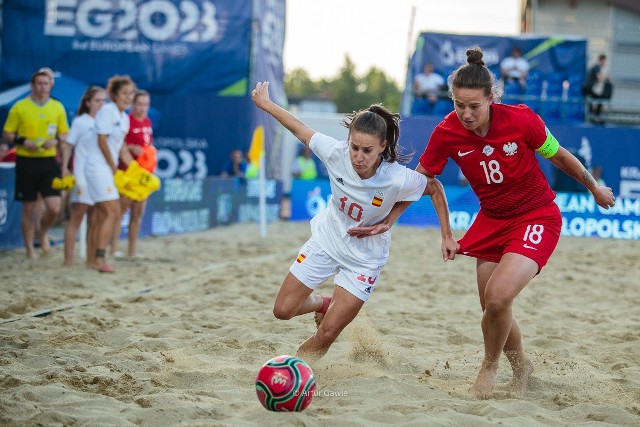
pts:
[366, 181]
[518, 225]
[112, 124]
[82, 138]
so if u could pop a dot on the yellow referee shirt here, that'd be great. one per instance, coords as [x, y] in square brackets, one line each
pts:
[37, 123]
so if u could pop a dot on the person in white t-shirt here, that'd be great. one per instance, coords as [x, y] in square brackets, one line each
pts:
[515, 67]
[426, 90]
[366, 180]
[82, 139]
[112, 124]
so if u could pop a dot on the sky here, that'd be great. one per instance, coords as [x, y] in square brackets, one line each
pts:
[378, 33]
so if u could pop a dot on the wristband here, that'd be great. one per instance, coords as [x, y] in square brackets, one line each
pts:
[19, 140]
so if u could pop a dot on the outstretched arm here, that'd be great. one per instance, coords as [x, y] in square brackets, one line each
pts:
[434, 188]
[260, 96]
[569, 164]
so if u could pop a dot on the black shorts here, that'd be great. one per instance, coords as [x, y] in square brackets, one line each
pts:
[34, 175]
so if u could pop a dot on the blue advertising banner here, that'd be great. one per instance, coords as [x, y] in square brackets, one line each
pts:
[581, 217]
[189, 205]
[197, 59]
[10, 211]
[166, 46]
[267, 65]
[447, 52]
[198, 132]
[614, 149]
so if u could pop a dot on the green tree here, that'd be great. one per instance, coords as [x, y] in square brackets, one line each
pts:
[344, 88]
[298, 82]
[378, 88]
[349, 91]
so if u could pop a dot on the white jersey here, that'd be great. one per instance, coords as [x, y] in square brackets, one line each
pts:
[428, 84]
[114, 123]
[83, 137]
[357, 202]
[515, 68]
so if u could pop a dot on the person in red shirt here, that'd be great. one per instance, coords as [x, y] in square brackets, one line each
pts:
[139, 141]
[519, 224]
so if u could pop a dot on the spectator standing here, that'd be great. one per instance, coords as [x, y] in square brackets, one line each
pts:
[598, 87]
[35, 125]
[426, 90]
[304, 166]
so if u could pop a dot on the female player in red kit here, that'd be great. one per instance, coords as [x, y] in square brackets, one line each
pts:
[519, 224]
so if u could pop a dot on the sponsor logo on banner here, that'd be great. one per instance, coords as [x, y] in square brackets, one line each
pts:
[100, 25]
[453, 55]
[182, 157]
[630, 182]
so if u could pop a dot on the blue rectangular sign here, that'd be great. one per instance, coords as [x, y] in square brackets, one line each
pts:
[165, 46]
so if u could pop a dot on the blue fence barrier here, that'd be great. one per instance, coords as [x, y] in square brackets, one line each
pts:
[581, 216]
[180, 206]
[10, 211]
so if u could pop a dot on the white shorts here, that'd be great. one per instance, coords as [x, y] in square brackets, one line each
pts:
[102, 188]
[80, 194]
[313, 266]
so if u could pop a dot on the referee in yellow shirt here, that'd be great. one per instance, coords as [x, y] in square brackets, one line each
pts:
[35, 125]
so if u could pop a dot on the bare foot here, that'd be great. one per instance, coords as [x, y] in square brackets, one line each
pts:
[521, 378]
[31, 254]
[45, 245]
[486, 380]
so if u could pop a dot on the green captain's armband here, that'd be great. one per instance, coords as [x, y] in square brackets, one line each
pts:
[550, 146]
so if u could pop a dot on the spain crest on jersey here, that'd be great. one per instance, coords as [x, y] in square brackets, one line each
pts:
[301, 257]
[378, 198]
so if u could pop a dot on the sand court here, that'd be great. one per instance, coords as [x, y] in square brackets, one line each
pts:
[177, 335]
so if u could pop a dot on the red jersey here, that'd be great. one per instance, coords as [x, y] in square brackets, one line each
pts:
[140, 133]
[501, 167]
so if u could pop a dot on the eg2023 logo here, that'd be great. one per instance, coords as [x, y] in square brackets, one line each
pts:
[155, 20]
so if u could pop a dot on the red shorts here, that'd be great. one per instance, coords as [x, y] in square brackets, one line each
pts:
[534, 234]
